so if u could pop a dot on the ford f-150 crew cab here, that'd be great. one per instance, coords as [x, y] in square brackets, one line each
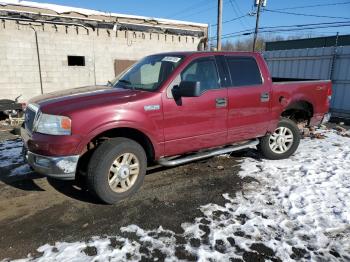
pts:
[168, 109]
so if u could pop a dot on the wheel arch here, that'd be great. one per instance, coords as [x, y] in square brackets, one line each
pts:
[123, 131]
[299, 111]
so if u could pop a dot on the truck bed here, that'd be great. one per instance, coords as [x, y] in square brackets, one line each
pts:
[287, 80]
[286, 91]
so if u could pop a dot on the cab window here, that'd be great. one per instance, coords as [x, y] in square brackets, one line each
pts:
[202, 70]
[244, 71]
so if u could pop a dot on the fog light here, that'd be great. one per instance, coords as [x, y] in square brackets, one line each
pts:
[44, 162]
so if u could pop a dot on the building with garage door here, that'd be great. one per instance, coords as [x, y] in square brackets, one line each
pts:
[46, 47]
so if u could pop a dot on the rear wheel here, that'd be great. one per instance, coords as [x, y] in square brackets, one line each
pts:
[117, 169]
[283, 142]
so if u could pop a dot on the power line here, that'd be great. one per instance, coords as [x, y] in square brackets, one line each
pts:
[300, 14]
[190, 8]
[309, 6]
[284, 30]
[309, 24]
[238, 12]
[290, 27]
[275, 10]
[197, 12]
[231, 20]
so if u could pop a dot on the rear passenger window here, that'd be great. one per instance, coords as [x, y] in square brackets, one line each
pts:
[244, 71]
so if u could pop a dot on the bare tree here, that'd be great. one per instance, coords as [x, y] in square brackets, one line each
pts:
[247, 43]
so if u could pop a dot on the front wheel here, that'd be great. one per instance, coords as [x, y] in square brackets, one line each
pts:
[283, 142]
[117, 169]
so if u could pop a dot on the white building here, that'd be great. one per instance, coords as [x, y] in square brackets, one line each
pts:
[45, 47]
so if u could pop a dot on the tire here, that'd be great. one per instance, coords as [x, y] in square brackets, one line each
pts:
[108, 175]
[282, 143]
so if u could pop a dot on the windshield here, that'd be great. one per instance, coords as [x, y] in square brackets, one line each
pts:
[149, 73]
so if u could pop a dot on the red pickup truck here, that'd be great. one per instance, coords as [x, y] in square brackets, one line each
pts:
[168, 109]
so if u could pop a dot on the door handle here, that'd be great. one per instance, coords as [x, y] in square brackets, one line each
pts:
[265, 97]
[221, 102]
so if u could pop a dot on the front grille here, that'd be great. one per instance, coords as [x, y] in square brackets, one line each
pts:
[29, 119]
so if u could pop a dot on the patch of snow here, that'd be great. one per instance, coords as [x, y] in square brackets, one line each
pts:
[67, 9]
[67, 166]
[297, 209]
[11, 153]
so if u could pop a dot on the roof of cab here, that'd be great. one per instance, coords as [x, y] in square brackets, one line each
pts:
[204, 53]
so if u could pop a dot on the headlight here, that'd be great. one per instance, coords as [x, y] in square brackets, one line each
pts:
[53, 125]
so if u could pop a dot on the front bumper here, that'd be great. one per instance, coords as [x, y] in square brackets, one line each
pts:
[63, 168]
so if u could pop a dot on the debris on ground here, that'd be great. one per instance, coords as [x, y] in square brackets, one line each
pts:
[342, 131]
[4, 123]
[302, 125]
[8, 130]
[12, 121]
[305, 132]
[314, 133]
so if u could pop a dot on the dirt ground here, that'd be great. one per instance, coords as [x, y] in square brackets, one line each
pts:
[36, 210]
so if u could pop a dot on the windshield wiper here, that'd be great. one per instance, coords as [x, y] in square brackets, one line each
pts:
[127, 82]
[124, 81]
[109, 83]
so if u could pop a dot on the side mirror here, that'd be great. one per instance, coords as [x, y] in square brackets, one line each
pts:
[187, 89]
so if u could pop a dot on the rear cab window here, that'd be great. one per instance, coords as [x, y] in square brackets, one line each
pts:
[244, 71]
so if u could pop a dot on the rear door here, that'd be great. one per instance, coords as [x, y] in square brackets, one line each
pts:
[195, 123]
[248, 99]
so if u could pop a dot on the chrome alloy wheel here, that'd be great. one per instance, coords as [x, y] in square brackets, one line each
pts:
[123, 172]
[281, 140]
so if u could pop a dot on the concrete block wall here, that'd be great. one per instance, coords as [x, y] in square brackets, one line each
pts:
[19, 69]
[19, 73]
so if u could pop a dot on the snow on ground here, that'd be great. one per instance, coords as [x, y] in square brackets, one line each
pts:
[10, 152]
[296, 209]
[11, 156]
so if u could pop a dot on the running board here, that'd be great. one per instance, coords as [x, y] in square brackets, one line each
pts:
[168, 162]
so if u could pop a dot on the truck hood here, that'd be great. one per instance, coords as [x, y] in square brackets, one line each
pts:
[72, 100]
[63, 94]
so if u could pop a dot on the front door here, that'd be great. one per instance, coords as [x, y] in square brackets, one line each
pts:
[194, 123]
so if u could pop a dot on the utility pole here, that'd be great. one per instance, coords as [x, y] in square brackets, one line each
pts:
[219, 25]
[259, 3]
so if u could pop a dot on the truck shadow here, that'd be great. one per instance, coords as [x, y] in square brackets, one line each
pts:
[16, 173]
[74, 189]
[25, 181]
[25, 185]
[78, 189]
